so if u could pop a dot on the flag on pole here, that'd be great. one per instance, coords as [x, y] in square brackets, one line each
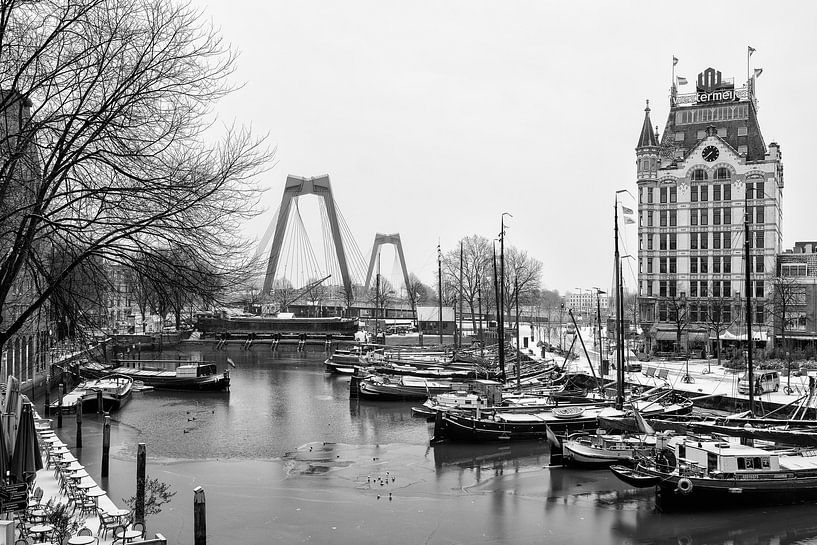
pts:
[751, 50]
[628, 220]
[642, 424]
[626, 210]
[554, 440]
[674, 60]
[758, 71]
[681, 80]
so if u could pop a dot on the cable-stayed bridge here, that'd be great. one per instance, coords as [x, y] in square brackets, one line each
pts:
[294, 264]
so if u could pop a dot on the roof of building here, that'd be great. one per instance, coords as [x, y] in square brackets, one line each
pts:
[432, 314]
[647, 137]
[684, 125]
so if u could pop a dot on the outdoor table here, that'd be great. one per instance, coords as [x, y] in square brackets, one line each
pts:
[81, 540]
[40, 530]
[86, 486]
[59, 450]
[75, 466]
[95, 495]
[78, 473]
[52, 439]
[120, 514]
[129, 535]
[68, 457]
[37, 516]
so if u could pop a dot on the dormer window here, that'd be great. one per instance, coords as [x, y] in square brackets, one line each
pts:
[698, 175]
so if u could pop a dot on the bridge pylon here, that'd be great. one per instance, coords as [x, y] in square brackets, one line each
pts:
[379, 240]
[296, 186]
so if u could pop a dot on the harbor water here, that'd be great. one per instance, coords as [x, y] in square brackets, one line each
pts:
[286, 457]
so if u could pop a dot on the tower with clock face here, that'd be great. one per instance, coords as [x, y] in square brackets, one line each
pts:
[712, 170]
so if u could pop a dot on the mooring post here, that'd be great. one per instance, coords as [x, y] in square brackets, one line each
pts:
[59, 405]
[141, 460]
[47, 409]
[79, 423]
[106, 444]
[99, 404]
[199, 517]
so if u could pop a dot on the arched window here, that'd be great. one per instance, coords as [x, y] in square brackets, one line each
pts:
[723, 173]
[699, 175]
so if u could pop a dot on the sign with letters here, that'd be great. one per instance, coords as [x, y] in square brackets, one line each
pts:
[13, 497]
[712, 88]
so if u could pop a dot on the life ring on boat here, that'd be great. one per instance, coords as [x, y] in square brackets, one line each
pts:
[684, 486]
[665, 460]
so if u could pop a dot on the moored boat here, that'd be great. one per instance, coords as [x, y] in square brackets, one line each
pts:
[600, 448]
[525, 423]
[385, 388]
[697, 471]
[113, 391]
[187, 376]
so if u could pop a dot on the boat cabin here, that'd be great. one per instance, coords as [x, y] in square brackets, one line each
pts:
[491, 390]
[196, 370]
[725, 457]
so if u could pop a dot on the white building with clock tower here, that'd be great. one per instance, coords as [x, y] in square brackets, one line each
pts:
[710, 169]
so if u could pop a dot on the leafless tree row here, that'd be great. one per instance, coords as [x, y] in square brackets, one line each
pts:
[110, 152]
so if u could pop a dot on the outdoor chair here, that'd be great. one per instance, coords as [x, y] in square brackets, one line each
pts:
[139, 526]
[85, 531]
[22, 541]
[86, 505]
[106, 522]
[650, 372]
[36, 498]
[663, 374]
[119, 535]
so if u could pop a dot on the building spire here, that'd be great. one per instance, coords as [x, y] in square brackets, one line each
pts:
[647, 137]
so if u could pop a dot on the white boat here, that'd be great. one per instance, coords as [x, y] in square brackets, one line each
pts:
[600, 448]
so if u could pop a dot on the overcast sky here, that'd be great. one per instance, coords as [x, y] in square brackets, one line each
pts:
[434, 117]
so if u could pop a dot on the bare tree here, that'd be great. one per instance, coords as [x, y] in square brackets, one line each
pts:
[717, 313]
[678, 315]
[317, 293]
[106, 151]
[284, 293]
[787, 299]
[522, 273]
[476, 264]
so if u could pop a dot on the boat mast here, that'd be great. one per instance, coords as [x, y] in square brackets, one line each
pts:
[518, 354]
[459, 331]
[619, 348]
[746, 266]
[499, 320]
[502, 293]
[440, 280]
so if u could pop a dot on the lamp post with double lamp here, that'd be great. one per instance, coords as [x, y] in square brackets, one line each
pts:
[621, 294]
[598, 322]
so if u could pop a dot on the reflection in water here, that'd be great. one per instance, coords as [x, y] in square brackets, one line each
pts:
[777, 526]
[482, 455]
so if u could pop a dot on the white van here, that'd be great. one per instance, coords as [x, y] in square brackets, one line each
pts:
[768, 381]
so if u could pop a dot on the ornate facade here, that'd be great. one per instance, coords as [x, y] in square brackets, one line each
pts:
[711, 171]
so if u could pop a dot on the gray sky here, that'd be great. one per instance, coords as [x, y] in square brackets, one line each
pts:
[432, 118]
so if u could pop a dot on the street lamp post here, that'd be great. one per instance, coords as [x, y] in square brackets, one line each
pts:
[598, 322]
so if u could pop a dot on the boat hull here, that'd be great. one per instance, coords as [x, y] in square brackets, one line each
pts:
[461, 427]
[735, 492]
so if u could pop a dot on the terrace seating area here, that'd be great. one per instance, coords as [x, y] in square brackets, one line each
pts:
[64, 504]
